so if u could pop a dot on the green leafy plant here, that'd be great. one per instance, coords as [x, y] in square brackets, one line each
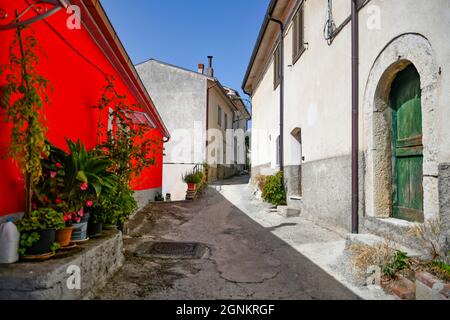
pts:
[23, 98]
[400, 261]
[55, 246]
[273, 190]
[42, 219]
[441, 268]
[114, 206]
[192, 178]
[128, 145]
[74, 180]
[27, 240]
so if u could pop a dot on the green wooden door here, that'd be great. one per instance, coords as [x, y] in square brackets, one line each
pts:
[407, 146]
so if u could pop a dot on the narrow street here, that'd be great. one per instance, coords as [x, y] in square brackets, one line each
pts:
[242, 260]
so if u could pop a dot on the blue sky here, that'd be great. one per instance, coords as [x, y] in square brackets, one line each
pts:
[185, 32]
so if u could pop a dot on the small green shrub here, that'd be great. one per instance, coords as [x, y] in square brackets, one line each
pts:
[441, 268]
[192, 178]
[273, 190]
[400, 261]
[42, 219]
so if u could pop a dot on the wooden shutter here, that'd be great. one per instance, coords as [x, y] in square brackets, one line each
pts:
[298, 36]
[277, 67]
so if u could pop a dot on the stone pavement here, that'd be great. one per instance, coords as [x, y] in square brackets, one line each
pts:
[246, 257]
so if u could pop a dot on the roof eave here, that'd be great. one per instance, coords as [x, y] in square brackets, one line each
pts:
[261, 34]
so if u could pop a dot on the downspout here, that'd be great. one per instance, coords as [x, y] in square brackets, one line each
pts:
[281, 145]
[355, 117]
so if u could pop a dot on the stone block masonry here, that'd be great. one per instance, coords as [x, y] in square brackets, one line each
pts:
[444, 203]
[96, 261]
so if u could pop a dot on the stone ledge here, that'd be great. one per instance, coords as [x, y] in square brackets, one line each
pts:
[98, 260]
[373, 240]
[394, 229]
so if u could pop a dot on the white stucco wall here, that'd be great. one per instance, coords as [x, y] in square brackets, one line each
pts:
[318, 97]
[180, 97]
[318, 85]
[265, 121]
[173, 180]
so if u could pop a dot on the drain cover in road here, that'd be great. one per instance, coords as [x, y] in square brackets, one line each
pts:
[172, 250]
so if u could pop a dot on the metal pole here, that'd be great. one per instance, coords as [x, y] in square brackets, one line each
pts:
[281, 145]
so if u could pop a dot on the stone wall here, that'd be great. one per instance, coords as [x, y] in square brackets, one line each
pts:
[444, 202]
[98, 260]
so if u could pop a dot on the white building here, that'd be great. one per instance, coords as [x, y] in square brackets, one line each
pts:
[404, 74]
[196, 109]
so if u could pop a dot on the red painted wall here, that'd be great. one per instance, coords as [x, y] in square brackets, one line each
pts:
[76, 87]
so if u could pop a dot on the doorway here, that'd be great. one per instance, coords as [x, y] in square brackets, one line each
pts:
[407, 146]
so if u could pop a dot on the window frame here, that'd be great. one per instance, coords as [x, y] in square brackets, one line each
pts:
[219, 116]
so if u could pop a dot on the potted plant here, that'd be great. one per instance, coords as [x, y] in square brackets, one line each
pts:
[37, 231]
[64, 235]
[159, 197]
[96, 220]
[192, 179]
[72, 183]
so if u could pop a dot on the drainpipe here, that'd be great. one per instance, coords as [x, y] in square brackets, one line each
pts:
[281, 146]
[355, 117]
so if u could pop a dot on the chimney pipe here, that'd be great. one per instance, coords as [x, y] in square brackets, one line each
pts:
[201, 68]
[210, 70]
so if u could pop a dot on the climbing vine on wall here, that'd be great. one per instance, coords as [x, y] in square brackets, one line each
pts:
[126, 142]
[23, 98]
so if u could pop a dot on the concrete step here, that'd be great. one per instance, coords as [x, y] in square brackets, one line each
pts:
[373, 240]
[288, 212]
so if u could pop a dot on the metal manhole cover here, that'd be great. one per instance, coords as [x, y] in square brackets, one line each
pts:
[172, 250]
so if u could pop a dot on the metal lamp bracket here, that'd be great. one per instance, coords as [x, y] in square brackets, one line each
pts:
[41, 13]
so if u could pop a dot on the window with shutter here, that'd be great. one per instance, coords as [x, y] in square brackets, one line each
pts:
[298, 41]
[277, 68]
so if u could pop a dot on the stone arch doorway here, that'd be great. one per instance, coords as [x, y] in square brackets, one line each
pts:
[407, 53]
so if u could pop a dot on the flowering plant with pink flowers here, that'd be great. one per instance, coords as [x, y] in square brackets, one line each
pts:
[72, 182]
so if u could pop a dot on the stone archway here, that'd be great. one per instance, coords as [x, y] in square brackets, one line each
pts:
[397, 55]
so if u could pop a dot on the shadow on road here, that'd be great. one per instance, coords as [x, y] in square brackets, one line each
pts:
[247, 261]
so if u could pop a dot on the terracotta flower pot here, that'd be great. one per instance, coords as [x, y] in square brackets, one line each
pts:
[64, 236]
[192, 186]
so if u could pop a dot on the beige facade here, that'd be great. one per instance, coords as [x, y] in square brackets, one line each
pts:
[227, 125]
[317, 103]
